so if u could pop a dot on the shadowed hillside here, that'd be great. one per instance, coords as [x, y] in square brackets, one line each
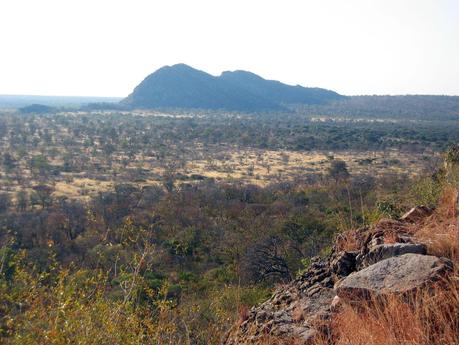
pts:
[279, 92]
[181, 86]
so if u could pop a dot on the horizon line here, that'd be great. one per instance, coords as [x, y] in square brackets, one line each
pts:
[120, 97]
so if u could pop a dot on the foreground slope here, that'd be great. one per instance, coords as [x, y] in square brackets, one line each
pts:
[378, 272]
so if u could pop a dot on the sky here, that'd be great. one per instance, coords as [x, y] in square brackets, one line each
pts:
[107, 47]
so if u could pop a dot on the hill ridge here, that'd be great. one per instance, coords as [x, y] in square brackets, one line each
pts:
[182, 86]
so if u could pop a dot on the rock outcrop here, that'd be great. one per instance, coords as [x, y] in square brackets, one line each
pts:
[388, 261]
[384, 251]
[292, 311]
[398, 274]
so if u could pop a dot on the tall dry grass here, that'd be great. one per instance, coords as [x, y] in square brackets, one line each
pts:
[428, 318]
[347, 241]
[440, 232]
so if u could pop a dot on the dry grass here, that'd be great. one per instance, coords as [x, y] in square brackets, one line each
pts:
[254, 166]
[81, 188]
[429, 318]
[391, 238]
[271, 340]
[268, 164]
[347, 241]
[440, 232]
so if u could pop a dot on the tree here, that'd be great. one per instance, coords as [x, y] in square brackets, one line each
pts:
[39, 163]
[266, 262]
[5, 202]
[451, 158]
[452, 154]
[338, 170]
[8, 162]
[21, 200]
[42, 195]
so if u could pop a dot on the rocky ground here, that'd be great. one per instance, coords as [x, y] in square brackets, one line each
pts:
[382, 260]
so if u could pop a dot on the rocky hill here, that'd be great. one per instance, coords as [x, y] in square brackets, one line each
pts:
[279, 92]
[388, 259]
[181, 86]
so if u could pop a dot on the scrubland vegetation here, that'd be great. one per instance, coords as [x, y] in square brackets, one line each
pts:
[125, 228]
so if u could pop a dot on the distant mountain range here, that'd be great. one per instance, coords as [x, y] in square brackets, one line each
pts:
[181, 86]
[17, 101]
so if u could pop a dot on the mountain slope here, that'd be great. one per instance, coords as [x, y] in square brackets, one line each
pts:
[277, 91]
[181, 86]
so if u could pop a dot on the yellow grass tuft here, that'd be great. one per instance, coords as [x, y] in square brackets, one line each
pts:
[347, 241]
[440, 232]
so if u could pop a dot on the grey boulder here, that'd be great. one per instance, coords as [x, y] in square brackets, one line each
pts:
[395, 275]
[385, 251]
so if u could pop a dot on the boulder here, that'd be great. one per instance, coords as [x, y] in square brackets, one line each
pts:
[399, 274]
[385, 251]
[386, 230]
[343, 263]
[416, 214]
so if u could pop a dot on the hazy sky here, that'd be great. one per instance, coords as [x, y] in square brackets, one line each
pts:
[106, 47]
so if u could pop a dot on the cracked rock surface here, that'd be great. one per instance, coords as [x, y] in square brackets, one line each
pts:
[398, 274]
